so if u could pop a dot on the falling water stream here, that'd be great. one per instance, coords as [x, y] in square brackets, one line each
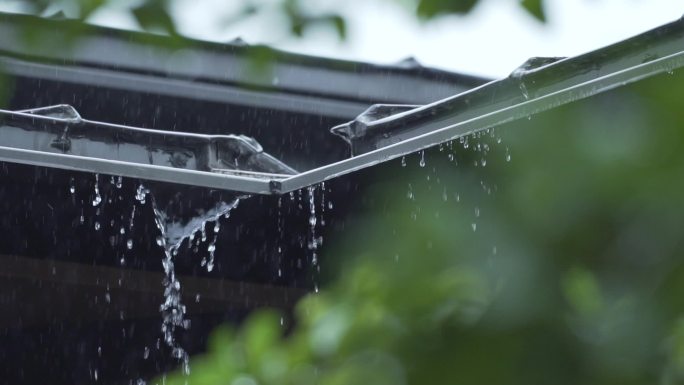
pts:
[173, 231]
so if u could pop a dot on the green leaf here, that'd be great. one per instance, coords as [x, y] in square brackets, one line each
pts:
[153, 15]
[340, 26]
[535, 8]
[428, 9]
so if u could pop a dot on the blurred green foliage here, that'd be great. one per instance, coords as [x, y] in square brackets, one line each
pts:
[155, 15]
[561, 266]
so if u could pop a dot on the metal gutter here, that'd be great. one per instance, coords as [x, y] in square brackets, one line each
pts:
[528, 91]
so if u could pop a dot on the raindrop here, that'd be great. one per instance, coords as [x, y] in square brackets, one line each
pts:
[211, 249]
[119, 182]
[97, 225]
[474, 226]
[129, 244]
[146, 355]
[72, 186]
[523, 89]
[122, 231]
[314, 240]
[422, 159]
[97, 199]
[141, 193]
[403, 161]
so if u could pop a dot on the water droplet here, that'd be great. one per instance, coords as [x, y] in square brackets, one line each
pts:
[403, 161]
[197, 298]
[97, 199]
[129, 244]
[146, 354]
[523, 89]
[474, 226]
[422, 159]
[119, 182]
[477, 212]
[409, 193]
[160, 240]
[451, 157]
[141, 193]
[97, 225]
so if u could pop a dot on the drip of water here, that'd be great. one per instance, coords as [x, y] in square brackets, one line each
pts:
[422, 159]
[523, 90]
[98, 198]
[141, 194]
[314, 240]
